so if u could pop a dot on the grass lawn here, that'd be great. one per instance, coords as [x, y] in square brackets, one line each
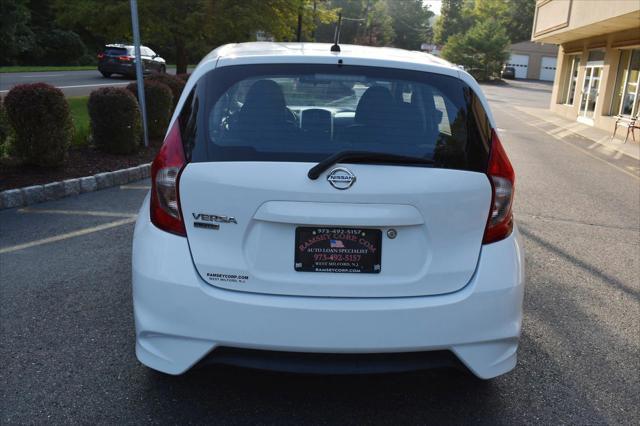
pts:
[80, 116]
[34, 68]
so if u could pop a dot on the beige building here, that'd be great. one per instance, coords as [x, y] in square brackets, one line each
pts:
[534, 61]
[598, 66]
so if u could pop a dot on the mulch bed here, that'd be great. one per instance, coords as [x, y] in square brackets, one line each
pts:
[82, 161]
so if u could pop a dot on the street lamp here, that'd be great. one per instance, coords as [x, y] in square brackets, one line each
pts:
[139, 77]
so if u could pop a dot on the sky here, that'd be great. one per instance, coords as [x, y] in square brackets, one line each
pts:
[434, 5]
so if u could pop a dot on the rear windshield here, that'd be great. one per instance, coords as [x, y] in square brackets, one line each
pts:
[115, 51]
[308, 112]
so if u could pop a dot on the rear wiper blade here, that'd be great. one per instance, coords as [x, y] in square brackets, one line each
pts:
[363, 157]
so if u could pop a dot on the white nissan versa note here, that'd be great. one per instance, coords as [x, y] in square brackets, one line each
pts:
[323, 211]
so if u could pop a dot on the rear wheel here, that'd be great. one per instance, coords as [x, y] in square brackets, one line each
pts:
[105, 74]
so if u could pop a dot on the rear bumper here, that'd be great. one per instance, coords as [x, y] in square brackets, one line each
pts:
[180, 319]
[117, 68]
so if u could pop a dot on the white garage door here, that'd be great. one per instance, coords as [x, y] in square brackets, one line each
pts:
[520, 63]
[548, 68]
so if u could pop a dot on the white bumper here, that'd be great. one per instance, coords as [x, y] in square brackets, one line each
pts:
[180, 318]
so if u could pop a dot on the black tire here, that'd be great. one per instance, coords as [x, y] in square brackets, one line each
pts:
[105, 74]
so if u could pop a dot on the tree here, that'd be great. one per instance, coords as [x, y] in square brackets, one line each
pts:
[16, 37]
[235, 21]
[482, 50]
[350, 9]
[175, 23]
[482, 10]
[378, 28]
[452, 21]
[516, 16]
[109, 20]
[410, 23]
[519, 20]
[187, 28]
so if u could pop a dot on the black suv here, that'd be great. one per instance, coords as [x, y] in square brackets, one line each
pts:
[120, 59]
[508, 72]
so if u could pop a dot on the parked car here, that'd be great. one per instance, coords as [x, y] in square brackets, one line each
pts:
[120, 59]
[293, 226]
[508, 72]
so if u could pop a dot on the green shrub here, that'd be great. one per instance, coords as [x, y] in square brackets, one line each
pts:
[42, 127]
[175, 84]
[56, 47]
[159, 102]
[115, 120]
[4, 127]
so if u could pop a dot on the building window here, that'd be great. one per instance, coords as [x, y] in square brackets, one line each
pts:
[571, 80]
[626, 97]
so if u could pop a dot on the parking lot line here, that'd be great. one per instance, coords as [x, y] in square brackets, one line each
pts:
[135, 187]
[77, 212]
[41, 75]
[68, 235]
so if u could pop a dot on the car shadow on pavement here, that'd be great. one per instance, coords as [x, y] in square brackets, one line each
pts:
[606, 278]
[255, 396]
[442, 396]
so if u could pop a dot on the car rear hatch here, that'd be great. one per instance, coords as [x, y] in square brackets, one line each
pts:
[255, 220]
[430, 224]
[115, 55]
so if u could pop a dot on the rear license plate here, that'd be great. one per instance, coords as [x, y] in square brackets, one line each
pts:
[327, 249]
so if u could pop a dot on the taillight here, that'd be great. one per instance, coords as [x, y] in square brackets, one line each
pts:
[502, 178]
[125, 58]
[165, 177]
[100, 55]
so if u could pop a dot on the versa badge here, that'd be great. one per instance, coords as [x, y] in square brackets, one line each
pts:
[208, 221]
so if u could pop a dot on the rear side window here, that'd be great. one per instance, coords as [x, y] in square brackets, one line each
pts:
[116, 51]
[307, 112]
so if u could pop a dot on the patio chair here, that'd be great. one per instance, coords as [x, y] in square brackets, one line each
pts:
[631, 123]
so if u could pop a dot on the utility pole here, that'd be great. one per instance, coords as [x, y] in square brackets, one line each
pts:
[299, 32]
[315, 20]
[139, 77]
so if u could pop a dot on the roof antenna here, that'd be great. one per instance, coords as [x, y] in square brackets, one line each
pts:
[336, 35]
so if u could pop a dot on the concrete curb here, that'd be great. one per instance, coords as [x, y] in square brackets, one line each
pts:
[26, 196]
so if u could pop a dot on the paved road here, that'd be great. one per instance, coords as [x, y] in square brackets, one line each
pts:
[72, 83]
[67, 350]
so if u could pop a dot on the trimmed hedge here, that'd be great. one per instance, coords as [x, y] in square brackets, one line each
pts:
[115, 120]
[41, 122]
[175, 84]
[159, 106]
[4, 127]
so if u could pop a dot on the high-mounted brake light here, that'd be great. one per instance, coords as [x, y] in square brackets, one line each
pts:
[502, 178]
[165, 178]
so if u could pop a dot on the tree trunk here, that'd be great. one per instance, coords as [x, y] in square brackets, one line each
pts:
[315, 21]
[181, 56]
[299, 31]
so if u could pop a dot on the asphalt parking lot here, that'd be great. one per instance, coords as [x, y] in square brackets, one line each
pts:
[67, 338]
